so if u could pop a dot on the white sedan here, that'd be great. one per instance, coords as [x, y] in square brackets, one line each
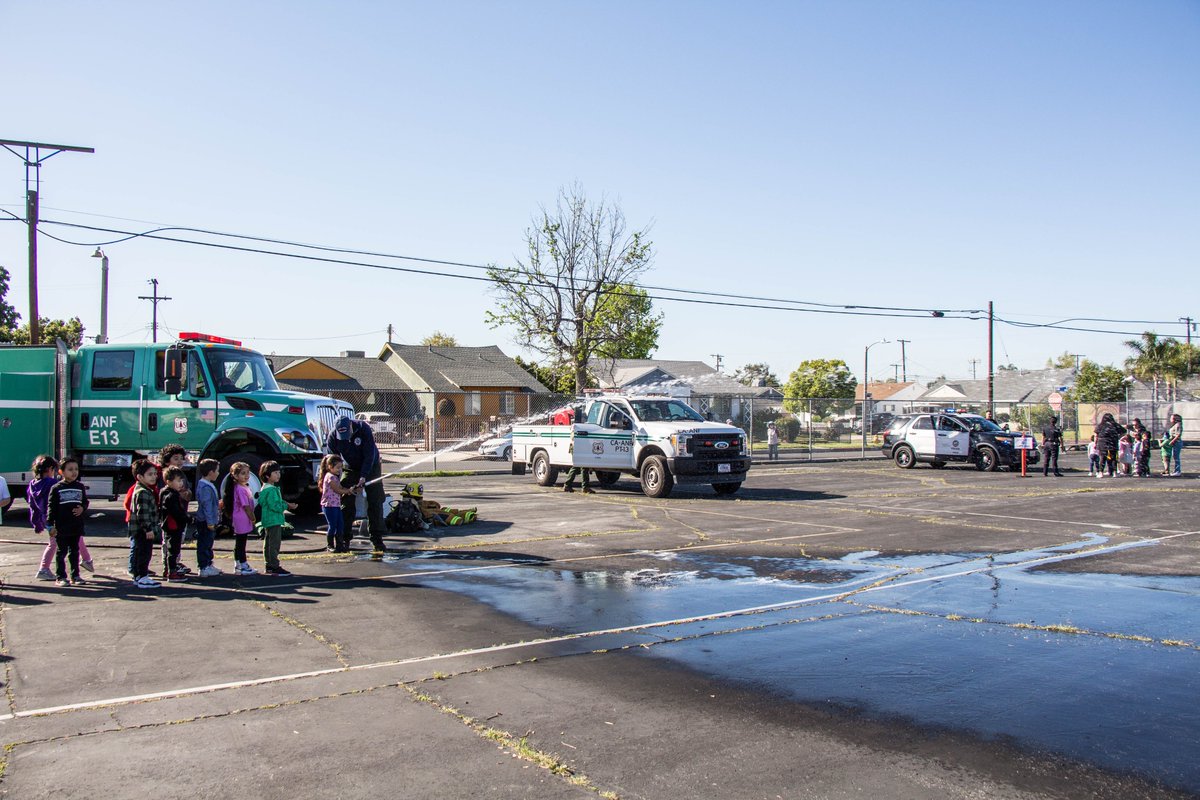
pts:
[500, 447]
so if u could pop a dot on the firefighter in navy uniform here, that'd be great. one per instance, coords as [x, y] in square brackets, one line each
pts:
[353, 440]
[1052, 437]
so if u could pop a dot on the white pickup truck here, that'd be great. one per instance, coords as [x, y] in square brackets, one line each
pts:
[660, 440]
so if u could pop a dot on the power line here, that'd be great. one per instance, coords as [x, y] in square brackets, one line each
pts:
[924, 313]
[773, 304]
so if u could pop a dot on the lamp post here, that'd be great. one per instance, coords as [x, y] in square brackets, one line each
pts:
[103, 337]
[867, 393]
[1128, 381]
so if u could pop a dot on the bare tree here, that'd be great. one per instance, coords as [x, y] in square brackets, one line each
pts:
[579, 255]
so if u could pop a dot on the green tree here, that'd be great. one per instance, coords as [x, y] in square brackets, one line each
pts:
[560, 379]
[1153, 359]
[626, 323]
[822, 381]
[559, 298]
[1097, 384]
[1064, 361]
[70, 331]
[9, 318]
[439, 339]
[756, 375]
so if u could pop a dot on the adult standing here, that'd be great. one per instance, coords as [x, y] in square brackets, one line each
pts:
[353, 440]
[1052, 435]
[1174, 439]
[1108, 435]
[772, 442]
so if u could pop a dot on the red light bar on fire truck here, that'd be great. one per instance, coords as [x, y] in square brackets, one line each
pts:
[192, 336]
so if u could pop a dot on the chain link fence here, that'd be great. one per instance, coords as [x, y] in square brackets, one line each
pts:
[811, 429]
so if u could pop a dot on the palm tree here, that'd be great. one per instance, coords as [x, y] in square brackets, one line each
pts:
[1154, 359]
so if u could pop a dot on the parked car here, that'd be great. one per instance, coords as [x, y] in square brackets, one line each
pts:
[499, 447]
[383, 426]
[941, 438]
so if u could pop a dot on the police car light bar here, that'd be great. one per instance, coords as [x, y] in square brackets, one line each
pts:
[192, 336]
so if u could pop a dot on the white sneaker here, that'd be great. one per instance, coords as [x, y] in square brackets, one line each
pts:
[209, 572]
[146, 582]
[45, 575]
[245, 569]
[88, 565]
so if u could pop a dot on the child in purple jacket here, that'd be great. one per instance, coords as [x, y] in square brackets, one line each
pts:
[37, 494]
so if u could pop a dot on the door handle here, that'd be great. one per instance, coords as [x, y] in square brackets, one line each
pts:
[152, 421]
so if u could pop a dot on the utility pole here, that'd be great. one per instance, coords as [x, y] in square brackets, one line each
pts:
[903, 360]
[896, 367]
[33, 159]
[389, 333]
[974, 361]
[155, 299]
[718, 357]
[991, 360]
[1076, 356]
[1188, 327]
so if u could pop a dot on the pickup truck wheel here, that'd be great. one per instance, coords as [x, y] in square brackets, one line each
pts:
[904, 457]
[987, 459]
[607, 478]
[657, 480]
[543, 472]
[726, 488]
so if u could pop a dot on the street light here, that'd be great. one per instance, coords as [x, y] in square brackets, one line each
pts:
[103, 337]
[867, 392]
[1128, 382]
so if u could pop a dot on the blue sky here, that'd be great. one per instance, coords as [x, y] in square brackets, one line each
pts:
[923, 154]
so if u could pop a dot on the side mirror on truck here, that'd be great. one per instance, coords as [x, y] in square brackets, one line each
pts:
[173, 370]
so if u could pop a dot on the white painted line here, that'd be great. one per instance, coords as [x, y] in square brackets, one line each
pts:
[645, 626]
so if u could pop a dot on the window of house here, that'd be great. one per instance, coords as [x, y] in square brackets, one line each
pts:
[112, 370]
[474, 404]
[508, 403]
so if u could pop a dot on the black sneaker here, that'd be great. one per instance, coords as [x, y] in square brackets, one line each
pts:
[588, 490]
[281, 572]
[568, 488]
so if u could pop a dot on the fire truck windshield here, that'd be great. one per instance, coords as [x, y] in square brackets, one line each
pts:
[239, 370]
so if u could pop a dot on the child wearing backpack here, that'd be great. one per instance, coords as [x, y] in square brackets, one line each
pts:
[172, 508]
[144, 526]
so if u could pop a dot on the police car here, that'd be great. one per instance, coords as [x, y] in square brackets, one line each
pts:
[938, 438]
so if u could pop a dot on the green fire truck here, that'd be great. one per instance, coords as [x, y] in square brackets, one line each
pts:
[111, 404]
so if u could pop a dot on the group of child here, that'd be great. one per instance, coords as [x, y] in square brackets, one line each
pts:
[1132, 456]
[157, 512]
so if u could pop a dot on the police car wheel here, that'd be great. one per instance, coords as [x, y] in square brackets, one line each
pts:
[904, 457]
[987, 460]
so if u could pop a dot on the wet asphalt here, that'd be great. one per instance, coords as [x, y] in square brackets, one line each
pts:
[832, 630]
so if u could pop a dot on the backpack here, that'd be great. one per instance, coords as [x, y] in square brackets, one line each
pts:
[257, 510]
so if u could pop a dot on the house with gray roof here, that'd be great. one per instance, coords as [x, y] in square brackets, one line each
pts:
[477, 382]
[1010, 387]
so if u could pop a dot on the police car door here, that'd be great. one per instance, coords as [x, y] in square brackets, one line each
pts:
[953, 439]
[921, 436]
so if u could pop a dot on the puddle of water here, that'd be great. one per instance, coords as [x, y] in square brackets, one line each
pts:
[1121, 704]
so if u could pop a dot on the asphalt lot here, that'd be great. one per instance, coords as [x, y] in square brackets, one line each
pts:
[836, 630]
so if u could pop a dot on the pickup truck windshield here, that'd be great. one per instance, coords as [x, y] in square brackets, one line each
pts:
[239, 370]
[664, 411]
